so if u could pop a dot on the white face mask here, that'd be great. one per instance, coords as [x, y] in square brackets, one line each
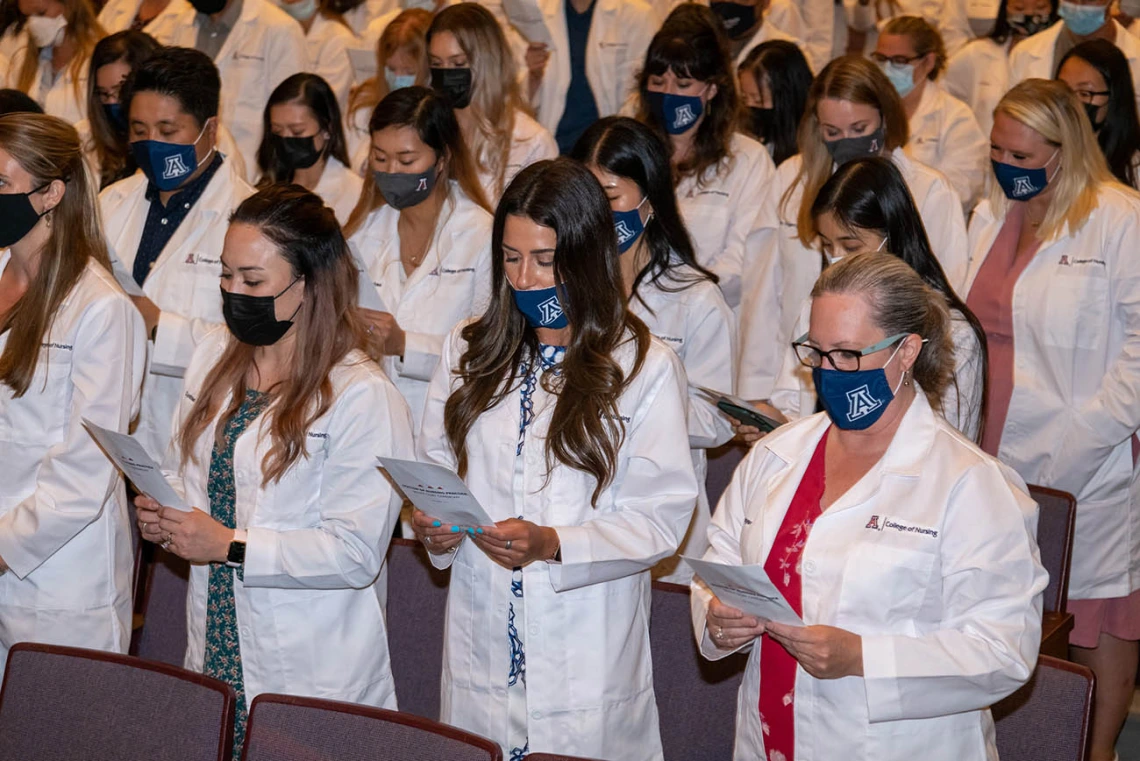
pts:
[46, 31]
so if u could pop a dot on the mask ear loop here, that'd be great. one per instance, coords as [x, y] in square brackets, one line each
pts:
[905, 379]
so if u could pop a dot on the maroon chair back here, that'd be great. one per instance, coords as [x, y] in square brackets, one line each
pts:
[70, 704]
[1055, 526]
[1047, 719]
[696, 698]
[290, 728]
[162, 637]
[417, 601]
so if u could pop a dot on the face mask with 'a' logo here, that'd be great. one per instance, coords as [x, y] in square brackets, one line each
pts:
[855, 400]
[167, 165]
[541, 307]
[401, 190]
[678, 113]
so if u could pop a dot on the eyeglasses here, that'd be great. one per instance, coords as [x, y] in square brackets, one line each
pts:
[1086, 96]
[897, 60]
[843, 360]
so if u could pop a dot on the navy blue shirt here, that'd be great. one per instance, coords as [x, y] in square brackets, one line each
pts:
[581, 108]
[163, 221]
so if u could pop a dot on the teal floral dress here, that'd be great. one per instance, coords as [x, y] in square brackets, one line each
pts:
[223, 653]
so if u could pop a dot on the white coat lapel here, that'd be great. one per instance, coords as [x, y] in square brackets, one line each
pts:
[794, 447]
[212, 209]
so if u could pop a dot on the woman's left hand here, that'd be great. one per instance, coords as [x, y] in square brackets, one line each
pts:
[514, 543]
[825, 652]
[387, 332]
[194, 536]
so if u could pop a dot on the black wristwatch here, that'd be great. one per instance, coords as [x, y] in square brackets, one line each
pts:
[235, 558]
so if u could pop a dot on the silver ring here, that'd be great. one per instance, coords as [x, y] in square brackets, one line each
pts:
[165, 544]
[719, 633]
[427, 540]
[508, 544]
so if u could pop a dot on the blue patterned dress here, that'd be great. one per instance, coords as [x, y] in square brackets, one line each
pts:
[223, 654]
[550, 356]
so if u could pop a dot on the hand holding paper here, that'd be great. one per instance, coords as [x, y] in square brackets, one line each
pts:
[437, 491]
[142, 471]
[748, 588]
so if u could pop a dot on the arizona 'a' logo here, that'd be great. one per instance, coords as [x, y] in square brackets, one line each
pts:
[860, 403]
[550, 310]
[875, 147]
[190, 259]
[174, 168]
[874, 523]
[1022, 186]
[422, 184]
[685, 116]
[623, 232]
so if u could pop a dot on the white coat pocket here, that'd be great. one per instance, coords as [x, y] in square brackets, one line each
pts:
[1076, 308]
[883, 588]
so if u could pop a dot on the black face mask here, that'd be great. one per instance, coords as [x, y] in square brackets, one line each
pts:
[1091, 110]
[762, 123]
[1028, 25]
[209, 7]
[296, 152]
[253, 320]
[736, 18]
[454, 85]
[17, 216]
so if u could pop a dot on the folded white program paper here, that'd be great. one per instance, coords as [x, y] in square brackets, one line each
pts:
[748, 588]
[437, 491]
[142, 471]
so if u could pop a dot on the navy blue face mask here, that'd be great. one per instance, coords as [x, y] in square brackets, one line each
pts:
[678, 113]
[629, 227]
[541, 307]
[1020, 184]
[855, 400]
[167, 165]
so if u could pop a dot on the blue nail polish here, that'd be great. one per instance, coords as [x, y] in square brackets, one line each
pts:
[455, 529]
[471, 531]
[435, 524]
[478, 531]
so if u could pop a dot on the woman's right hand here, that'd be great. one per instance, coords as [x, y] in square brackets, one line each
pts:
[436, 535]
[750, 434]
[731, 627]
[536, 57]
[146, 514]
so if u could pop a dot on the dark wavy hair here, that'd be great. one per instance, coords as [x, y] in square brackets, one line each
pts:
[313, 92]
[586, 430]
[1119, 136]
[328, 324]
[693, 44]
[785, 69]
[630, 149]
[871, 194]
[111, 148]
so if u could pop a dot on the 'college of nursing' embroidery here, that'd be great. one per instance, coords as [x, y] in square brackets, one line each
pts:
[881, 523]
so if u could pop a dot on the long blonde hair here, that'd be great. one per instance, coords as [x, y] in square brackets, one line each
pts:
[48, 149]
[1052, 110]
[408, 33]
[82, 27]
[495, 94]
[857, 80]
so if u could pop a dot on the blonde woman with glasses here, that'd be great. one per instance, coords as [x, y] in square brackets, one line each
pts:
[1055, 281]
[472, 66]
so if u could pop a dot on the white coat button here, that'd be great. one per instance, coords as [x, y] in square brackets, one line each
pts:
[245, 631]
[534, 629]
[536, 714]
[809, 566]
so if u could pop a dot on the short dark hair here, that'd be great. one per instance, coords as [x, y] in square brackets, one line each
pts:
[187, 75]
[17, 102]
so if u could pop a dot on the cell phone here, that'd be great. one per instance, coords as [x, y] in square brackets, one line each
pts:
[747, 416]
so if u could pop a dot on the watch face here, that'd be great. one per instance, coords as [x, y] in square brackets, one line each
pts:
[236, 553]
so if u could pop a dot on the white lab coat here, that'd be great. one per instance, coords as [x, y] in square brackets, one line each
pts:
[309, 601]
[530, 142]
[326, 48]
[766, 33]
[949, 614]
[1035, 56]
[784, 271]
[699, 326]
[615, 51]
[64, 529]
[978, 75]
[944, 135]
[64, 98]
[721, 210]
[118, 15]
[819, 29]
[184, 283]
[943, 16]
[339, 187]
[589, 688]
[794, 392]
[265, 47]
[452, 283]
[1076, 327]
[11, 41]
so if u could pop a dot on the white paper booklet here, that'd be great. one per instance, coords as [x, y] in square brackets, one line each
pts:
[748, 588]
[526, 17]
[139, 467]
[437, 491]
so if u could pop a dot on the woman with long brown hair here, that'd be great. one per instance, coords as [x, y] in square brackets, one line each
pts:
[54, 66]
[72, 347]
[279, 428]
[422, 234]
[567, 421]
